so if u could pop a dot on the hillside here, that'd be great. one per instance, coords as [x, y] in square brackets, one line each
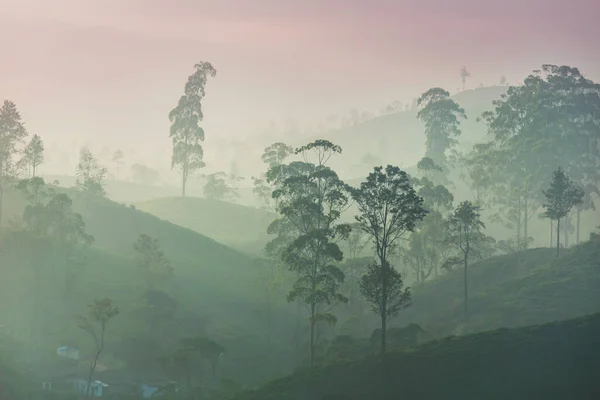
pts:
[237, 226]
[399, 138]
[511, 291]
[553, 361]
[217, 290]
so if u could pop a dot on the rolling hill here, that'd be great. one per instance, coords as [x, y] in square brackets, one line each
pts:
[553, 361]
[240, 227]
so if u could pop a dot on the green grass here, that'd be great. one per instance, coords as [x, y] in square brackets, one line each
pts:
[552, 361]
[240, 227]
[509, 291]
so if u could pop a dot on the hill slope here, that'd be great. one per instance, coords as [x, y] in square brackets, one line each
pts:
[510, 291]
[240, 227]
[553, 361]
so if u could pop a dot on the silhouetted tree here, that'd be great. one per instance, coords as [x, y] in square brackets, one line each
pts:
[388, 207]
[310, 199]
[186, 133]
[561, 197]
[464, 74]
[441, 116]
[12, 133]
[90, 174]
[151, 260]
[464, 231]
[34, 154]
[117, 158]
[99, 313]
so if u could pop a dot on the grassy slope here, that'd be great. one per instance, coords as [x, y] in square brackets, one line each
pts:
[213, 283]
[552, 361]
[509, 291]
[237, 226]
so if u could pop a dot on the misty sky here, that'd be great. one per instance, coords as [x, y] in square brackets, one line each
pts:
[110, 70]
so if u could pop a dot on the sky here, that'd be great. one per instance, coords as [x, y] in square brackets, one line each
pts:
[109, 71]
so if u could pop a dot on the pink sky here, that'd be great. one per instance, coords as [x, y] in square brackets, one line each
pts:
[112, 69]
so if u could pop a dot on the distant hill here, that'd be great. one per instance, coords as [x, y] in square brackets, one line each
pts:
[399, 138]
[240, 227]
[553, 361]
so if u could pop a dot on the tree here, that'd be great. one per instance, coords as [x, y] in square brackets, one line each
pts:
[90, 174]
[562, 195]
[117, 158]
[389, 302]
[186, 134]
[273, 156]
[144, 174]
[311, 198]
[99, 313]
[503, 80]
[441, 116]
[464, 74]
[217, 187]
[12, 133]
[464, 231]
[151, 260]
[428, 168]
[34, 154]
[388, 207]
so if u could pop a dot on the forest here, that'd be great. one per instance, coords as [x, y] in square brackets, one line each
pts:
[310, 280]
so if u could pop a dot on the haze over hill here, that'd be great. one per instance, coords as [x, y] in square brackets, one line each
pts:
[200, 198]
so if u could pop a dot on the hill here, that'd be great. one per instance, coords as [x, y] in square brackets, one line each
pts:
[553, 361]
[237, 226]
[399, 138]
[526, 288]
[217, 290]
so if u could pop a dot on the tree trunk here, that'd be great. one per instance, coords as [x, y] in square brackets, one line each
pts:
[526, 219]
[557, 237]
[566, 226]
[578, 225]
[384, 281]
[466, 290]
[311, 349]
[183, 182]
[383, 332]
[551, 234]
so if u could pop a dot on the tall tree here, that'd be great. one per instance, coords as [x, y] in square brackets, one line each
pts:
[12, 133]
[186, 133]
[34, 154]
[441, 116]
[465, 232]
[99, 313]
[117, 158]
[311, 198]
[562, 195]
[464, 74]
[388, 207]
[273, 156]
[90, 174]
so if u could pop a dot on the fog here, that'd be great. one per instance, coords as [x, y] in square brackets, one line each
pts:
[299, 200]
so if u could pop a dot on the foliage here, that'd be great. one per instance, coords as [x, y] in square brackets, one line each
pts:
[34, 154]
[100, 311]
[273, 156]
[311, 198]
[562, 195]
[441, 116]
[396, 296]
[219, 186]
[153, 263]
[464, 74]
[186, 133]
[388, 207]
[464, 232]
[90, 174]
[12, 133]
